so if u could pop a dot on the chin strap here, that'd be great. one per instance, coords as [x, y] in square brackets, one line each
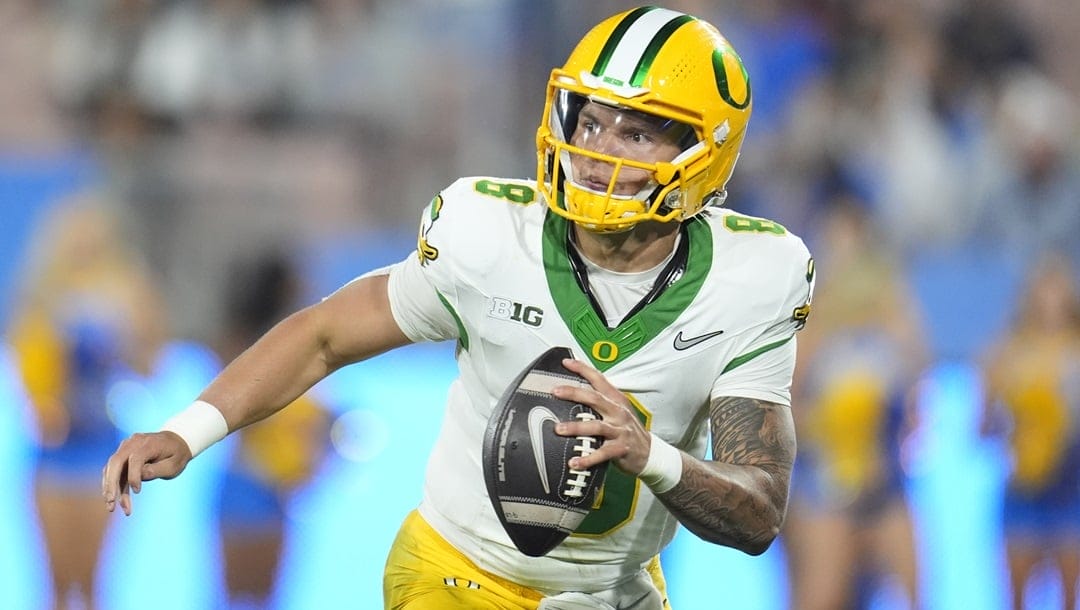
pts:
[670, 274]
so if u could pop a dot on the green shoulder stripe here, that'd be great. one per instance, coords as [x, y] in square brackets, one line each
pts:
[463, 335]
[747, 357]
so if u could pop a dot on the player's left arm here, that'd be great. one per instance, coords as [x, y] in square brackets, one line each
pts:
[739, 498]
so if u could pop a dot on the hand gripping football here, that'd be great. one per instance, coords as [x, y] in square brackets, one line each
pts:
[540, 500]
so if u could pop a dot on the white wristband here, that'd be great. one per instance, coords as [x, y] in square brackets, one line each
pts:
[200, 425]
[663, 469]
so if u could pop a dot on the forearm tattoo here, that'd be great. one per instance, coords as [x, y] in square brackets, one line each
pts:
[739, 498]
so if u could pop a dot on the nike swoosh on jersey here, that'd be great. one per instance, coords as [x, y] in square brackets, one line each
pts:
[537, 417]
[681, 344]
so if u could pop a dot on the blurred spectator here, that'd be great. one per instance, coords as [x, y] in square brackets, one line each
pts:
[906, 135]
[30, 123]
[216, 56]
[275, 457]
[1036, 203]
[1033, 398]
[94, 44]
[860, 357]
[88, 313]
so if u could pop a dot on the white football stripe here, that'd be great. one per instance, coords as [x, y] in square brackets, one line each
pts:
[542, 382]
[563, 518]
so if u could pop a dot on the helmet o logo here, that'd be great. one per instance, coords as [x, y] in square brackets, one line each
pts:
[720, 71]
[605, 351]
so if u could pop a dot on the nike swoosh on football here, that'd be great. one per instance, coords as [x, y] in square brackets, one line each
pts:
[681, 344]
[537, 417]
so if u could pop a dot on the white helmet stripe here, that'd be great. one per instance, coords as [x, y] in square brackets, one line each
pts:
[624, 60]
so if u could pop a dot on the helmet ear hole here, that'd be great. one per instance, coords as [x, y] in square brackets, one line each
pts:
[671, 200]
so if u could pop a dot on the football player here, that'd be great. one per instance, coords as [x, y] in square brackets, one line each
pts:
[681, 314]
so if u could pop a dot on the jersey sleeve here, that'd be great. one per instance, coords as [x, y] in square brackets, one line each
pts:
[766, 377]
[416, 305]
[764, 368]
[425, 289]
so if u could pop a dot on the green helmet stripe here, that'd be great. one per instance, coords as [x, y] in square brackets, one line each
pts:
[616, 36]
[654, 47]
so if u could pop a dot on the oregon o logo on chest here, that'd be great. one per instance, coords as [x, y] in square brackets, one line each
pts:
[605, 351]
[506, 309]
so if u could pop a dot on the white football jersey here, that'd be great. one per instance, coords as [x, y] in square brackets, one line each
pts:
[492, 271]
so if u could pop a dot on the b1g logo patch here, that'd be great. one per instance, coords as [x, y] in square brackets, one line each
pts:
[506, 309]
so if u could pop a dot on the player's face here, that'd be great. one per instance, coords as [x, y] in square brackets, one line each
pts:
[623, 134]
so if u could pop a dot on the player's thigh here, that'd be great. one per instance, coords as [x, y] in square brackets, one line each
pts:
[424, 572]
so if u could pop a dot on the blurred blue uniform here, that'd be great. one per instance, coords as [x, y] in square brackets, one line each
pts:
[850, 456]
[93, 359]
[1040, 392]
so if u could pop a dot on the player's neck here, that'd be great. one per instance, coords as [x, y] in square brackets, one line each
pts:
[639, 249]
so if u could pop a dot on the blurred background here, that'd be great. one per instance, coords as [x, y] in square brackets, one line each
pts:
[176, 176]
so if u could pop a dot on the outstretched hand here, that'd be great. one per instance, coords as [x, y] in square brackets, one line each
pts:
[142, 457]
[626, 441]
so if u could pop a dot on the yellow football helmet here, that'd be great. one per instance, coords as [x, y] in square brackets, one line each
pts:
[669, 71]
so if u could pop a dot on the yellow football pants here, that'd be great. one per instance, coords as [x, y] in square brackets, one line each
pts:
[424, 572]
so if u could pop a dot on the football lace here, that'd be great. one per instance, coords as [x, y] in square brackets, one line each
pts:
[584, 447]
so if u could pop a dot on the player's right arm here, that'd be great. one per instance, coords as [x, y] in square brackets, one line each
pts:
[353, 324]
